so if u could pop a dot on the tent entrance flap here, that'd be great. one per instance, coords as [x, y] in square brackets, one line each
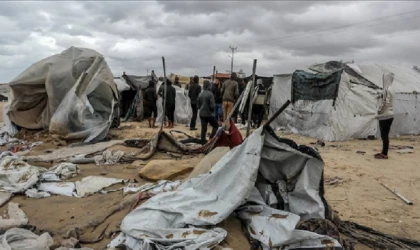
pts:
[315, 86]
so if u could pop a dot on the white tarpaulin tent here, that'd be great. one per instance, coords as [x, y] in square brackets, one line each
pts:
[270, 183]
[352, 114]
[72, 94]
[183, 111]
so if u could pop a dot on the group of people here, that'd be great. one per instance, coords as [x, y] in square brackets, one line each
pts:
[212, 103]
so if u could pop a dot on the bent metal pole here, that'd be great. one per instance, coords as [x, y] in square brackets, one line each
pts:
[164, 95]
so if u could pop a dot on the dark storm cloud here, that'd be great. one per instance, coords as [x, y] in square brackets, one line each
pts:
[195, 35]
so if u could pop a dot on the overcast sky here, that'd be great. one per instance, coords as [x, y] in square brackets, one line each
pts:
[194, 36]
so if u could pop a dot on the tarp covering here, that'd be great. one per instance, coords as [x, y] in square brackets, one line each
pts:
[315, 87]
[239, 182]
[72, 93]
[183, 110]
[353, 115]
[137, 82]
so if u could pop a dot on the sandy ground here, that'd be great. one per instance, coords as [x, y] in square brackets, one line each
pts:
[358, 197]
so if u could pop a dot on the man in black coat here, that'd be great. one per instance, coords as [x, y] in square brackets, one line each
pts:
[193, 93]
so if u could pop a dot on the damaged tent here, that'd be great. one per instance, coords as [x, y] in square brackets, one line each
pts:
[131, 103]
[270, 183]
[72, 94]
[338, 101]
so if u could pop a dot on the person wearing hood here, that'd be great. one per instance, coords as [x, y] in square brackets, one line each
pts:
[206, 104]
[176, 83]
[386, 113]
[258, 108]
[193, 93]
[216, 90]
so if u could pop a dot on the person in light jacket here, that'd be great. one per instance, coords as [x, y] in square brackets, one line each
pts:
[386, 113]
[207, 105]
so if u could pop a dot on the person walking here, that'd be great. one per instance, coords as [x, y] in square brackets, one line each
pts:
[386, 113]
[258, 107]
[193, 93]
[218, 98]
[151, 107]
[206, 104]
[230, 92]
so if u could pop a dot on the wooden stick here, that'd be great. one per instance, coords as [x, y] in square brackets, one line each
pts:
[164, 95]
[254, 68]
[398, 195]
[278, 112]
[214, 70]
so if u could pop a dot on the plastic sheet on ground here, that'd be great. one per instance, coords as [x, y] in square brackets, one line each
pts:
[35, 193]
[62, 171]
[16, 217]
[22, 239]
[68, 152]
[108, 157]
[163, 220]
[16, 175]
[72, 93]
[59, 188]
[4, 198]
[92, 184]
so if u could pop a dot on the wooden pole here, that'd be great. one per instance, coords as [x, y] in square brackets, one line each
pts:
[214, 70]
[164, 95]
[251, 94]
[278, 112]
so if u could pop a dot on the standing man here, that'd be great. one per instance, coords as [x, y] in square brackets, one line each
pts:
[218, 98]
[230, 92]
[170, 102]
[187, 86]
[193, 93]
[258, 108]
[386, 113]
[206, 104]
[176, 83]
[151, 107]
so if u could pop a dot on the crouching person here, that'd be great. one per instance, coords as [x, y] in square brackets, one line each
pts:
[206, 105]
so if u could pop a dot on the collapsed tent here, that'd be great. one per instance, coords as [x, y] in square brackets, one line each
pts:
[131, 90]
[72, 93]
[337, 101]
[269, 182]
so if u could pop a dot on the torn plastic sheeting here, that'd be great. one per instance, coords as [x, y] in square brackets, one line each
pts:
[16, 217]
[69, 152]
[230, 182]
[62, 171]
[192, 239]
[22, 239]
[4, 198]
[92, 184]
[262, 220]
[16, 175]
[59, 188]
[35, 193]
[108, 157]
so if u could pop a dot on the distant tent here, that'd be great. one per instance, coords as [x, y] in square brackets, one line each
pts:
[337, 101]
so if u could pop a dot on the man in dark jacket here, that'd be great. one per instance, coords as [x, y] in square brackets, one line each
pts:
[206, 105]
[176, 83]
[193, 93]
[230, 92]
[151, 107]
[170, 101]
